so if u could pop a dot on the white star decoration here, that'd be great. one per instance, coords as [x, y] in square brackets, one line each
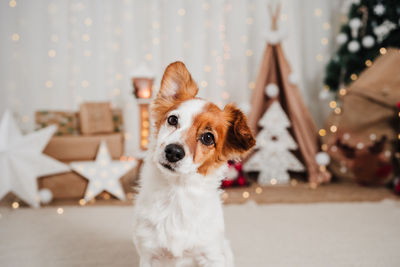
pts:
[103, 173]
[22, 161]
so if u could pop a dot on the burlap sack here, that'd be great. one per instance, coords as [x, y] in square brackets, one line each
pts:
[369, 110]
[371, 103]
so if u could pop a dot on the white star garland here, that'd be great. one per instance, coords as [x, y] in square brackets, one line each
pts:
[103, 173]
[22, 161]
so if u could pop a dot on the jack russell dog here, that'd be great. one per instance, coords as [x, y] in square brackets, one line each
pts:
[178, 217]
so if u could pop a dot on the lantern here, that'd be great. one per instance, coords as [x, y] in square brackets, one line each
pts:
[142, 87]
[142, 82]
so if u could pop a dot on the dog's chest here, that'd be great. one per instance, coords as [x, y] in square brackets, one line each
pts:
[177, 220]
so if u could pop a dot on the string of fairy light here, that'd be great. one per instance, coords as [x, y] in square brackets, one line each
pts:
[219, 59]
[115, 80]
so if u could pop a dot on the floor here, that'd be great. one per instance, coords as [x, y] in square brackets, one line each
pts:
[318, 234]
[301, 192]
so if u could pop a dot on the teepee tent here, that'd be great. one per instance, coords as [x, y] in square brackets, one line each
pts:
[275, 72]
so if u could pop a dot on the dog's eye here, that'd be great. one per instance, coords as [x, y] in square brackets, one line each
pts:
[208, 139]
[172, 120]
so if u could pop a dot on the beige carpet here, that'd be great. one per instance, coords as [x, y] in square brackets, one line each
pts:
[324, 234]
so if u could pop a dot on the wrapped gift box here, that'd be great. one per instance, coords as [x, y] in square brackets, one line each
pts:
[83, 147]
[69, 144]
[96, 118]
[72, 186]
[68, 122]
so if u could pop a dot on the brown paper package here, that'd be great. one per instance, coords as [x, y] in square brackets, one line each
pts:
[67, 122]
[96, 118]
[76, 148]
[72, 186]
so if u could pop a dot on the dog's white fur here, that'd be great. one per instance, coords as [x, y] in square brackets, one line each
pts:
[178, 217]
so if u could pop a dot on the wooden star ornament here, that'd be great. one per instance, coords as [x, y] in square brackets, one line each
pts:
[103, 173]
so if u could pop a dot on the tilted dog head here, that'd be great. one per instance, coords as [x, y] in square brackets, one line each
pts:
[193, 135]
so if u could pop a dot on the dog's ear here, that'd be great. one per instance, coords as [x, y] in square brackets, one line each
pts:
[177, 83]
[239, 138]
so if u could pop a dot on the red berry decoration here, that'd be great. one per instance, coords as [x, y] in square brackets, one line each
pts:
[227, 183]
[238, 167]
[238, 181]
[397, 186]
[241, 181]
[398, 105]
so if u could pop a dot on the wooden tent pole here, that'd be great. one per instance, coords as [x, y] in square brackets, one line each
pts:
[274, 16]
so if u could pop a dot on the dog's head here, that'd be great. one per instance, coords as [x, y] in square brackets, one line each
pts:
[193, 135]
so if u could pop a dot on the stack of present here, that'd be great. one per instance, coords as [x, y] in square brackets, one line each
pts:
[78, 138]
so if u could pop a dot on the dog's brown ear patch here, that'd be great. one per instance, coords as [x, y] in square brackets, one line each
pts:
[177, 86]
[239, 138]
[177, 83]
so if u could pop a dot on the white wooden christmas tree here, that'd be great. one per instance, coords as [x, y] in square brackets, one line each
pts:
[273, 159]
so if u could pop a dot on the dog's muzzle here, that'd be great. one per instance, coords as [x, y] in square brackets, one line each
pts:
[174, 152]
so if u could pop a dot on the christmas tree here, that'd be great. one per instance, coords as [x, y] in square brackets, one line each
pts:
[273, 158]
[373, 26]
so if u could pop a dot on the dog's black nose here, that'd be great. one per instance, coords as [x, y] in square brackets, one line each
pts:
[174, 152]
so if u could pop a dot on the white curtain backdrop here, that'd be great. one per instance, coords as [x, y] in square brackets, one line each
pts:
[56, 54]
